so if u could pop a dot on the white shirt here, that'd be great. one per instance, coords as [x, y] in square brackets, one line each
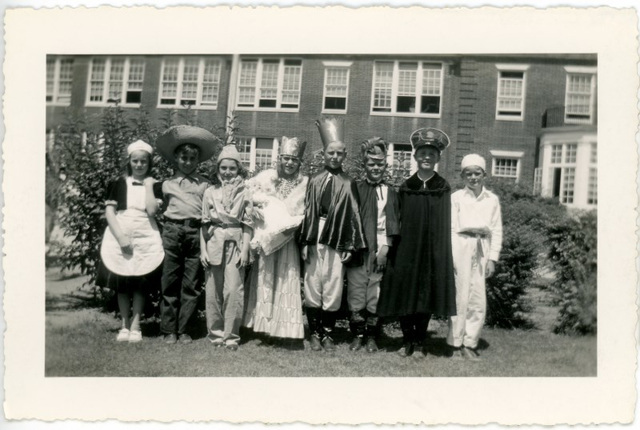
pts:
[381, 231]
[469, 212]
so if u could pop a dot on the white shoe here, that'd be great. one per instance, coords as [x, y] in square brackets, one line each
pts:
[135, 336]
[123, 335]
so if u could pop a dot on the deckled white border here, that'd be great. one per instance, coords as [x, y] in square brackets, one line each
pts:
[610, 33]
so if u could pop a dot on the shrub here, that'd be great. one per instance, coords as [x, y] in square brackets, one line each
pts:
[573, 252]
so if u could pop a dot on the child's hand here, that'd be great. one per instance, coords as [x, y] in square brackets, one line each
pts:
[304, 253]
[491, 269]
[204, 259]
[125, 245]
[244, 258]
[345, 256]
[381, 258]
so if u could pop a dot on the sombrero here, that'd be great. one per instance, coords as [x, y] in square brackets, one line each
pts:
[178, 135]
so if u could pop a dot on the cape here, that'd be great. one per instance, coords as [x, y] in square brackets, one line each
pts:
[343, 229]
[419, 276]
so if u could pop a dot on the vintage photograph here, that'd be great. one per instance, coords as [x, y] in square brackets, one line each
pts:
[321, 215]
[365, 215]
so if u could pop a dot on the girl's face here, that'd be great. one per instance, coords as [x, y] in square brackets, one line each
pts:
[228, 169]
[139, 163]
[289, 165]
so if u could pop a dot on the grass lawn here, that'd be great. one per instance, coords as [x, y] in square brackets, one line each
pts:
[80, 341]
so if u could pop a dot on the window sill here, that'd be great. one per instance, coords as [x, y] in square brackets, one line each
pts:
[509, 118]
[58, 104]
[333, 112]
[123, 105]
[406, 115]
[247, 109]
[192, 107]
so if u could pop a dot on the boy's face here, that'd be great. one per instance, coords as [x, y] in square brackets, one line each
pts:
[473, 177]
[374, 168]
[334, 155]
[187, 162]
[227, 169]
[289, 164]
[427, 157]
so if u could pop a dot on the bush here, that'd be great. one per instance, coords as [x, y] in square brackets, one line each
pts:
[573, 252]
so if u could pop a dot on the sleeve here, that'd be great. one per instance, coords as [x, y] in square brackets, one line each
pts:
[117, 194]
[496, 232]
[157, 190]
[392, 212]
[247, 212]
[206, 204]
[455, 208]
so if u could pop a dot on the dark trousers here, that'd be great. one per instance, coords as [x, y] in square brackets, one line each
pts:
[414, 327]
[181, 277]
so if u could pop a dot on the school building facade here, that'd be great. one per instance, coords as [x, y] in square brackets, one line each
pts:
[533, 117]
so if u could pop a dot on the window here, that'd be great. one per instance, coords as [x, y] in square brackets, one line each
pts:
[511, 92]
[269, 84]
[257, 152]
[556, 154]
[594, 153]
[190, 81]
[570, 152]
[59, 80]
[506, 164]
[567, 184]
[407, 88]
[537, 180]
[563, 172]
[579, 97]
[336, 87]
[592, 192]
[115, 80]
[400, 160]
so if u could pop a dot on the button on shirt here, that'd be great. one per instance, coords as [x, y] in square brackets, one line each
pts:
[184, 196]
[471, 213]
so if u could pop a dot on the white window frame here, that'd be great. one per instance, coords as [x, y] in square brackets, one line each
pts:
[178, 103]
[390, 157]
[418, 90]
[506, 155]
[522, 68]
[580, 71]
[328, 65]
[563, 165]
[55, 95]
[249, 159]
[279, 86]
[106, 81]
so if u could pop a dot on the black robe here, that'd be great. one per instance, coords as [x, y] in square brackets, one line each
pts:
[343, 228]
[419, 276]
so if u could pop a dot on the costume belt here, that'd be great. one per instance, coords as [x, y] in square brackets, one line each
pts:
[479, 251]
[189, 222]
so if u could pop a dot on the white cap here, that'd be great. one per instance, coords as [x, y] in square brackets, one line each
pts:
[139, 145]
[473, 160]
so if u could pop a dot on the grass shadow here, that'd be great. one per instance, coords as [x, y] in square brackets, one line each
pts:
[71, 302]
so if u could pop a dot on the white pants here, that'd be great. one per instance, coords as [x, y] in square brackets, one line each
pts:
[323, 277]
[364, 285]
[471, 298]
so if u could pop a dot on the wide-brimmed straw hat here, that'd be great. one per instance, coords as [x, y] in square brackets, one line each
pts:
[178, 135]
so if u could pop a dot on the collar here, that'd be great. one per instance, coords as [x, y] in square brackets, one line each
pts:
[483, 193]
[425, 180]
[374, 184]
[192, 178]
[334, 172]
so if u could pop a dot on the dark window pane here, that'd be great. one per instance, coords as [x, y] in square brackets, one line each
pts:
[380, 109]
[430, 104]
[167, 101]
[406, 104]
[516, 75]
[188, 102]
[337, 103]
[49, 98]
[289, 106]
[269, 103]
[134, 96]
[509, 113]
[264, 143]
[292, 62]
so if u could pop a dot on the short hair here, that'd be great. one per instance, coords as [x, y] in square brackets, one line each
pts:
[187, 148]
[150, 164]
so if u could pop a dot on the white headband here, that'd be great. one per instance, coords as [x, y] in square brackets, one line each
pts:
[473, 160]
[139, 145]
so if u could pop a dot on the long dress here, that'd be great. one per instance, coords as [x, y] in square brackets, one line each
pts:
[274, 304]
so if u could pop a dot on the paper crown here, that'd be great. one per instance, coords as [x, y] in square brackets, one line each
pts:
[292, 147]
[331, 130]
[178, 135]
[473, 160]
[139, 145]
[229, 152]
[374, 147]
[429, 137]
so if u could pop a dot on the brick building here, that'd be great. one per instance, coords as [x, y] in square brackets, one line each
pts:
[533, 117]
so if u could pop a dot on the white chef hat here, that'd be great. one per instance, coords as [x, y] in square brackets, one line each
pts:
[139, 145]
[473, 160]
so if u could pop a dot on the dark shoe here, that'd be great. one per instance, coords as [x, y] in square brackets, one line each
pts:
[328, 345]
[422, 350]
[316, 345]
[470, 354]
[406, 350]
[356, 344]
[456, 354]
[185, 338]
[170, 339]
[371, 345]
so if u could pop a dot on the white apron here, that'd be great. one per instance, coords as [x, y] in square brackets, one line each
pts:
[144, 236]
